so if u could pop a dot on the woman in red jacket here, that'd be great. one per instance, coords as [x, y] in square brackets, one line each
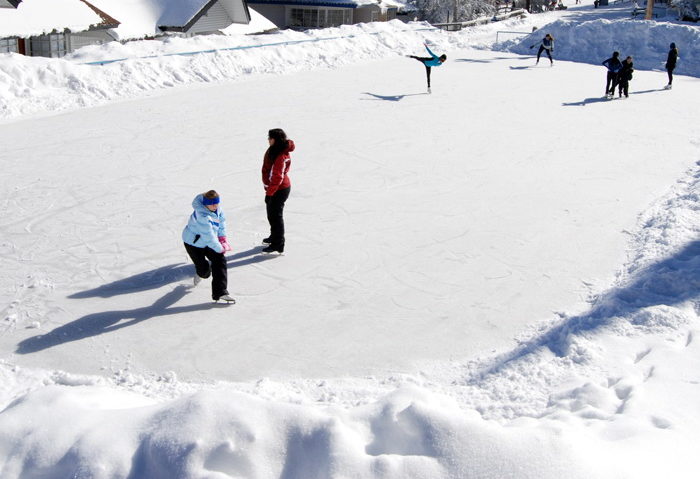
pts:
[275, 168]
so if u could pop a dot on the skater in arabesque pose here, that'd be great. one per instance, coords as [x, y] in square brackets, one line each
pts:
[614, 66]
[546, 45]
[206, 244]
[671, 64]
[432, 61]
[275, 169]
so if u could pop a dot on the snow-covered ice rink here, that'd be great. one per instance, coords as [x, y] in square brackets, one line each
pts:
[499, 279]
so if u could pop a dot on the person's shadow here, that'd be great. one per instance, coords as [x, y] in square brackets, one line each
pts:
[158, 277]
[389, 97]
[588, 101]
[108, 321]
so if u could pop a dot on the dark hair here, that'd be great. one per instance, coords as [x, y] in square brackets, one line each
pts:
[211, 194]
[279, 145]
[443, 57]
[616, 54]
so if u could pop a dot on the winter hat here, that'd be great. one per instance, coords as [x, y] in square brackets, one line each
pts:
[616, 54]
[673, 45]
[211, 197]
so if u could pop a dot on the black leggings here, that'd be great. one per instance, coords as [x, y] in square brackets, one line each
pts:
[543, 49]
[275, 208]
[670, 75]
[217, 269]
[427, 68]
[611, 79]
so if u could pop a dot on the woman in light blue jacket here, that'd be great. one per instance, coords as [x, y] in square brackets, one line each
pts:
[205, 242]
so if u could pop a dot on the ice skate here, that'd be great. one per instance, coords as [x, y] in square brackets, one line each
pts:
[226, 299]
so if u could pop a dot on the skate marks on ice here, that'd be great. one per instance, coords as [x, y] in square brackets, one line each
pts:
[164, 275]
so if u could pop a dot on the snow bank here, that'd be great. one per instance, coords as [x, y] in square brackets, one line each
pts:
[594, 41]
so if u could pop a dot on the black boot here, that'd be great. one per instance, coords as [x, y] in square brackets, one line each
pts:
[274, 249]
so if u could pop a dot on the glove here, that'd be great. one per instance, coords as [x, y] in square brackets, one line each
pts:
[224, 244]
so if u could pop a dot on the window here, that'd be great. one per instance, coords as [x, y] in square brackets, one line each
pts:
[303, 17]
[313, 17]
[52, 45]
[334, 18]
[8, 45]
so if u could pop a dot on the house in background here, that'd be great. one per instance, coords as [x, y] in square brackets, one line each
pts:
[304, 14]
[52, 28]
[153, 18]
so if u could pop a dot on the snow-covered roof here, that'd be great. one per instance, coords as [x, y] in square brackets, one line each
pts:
[38, 17]
[143, 18]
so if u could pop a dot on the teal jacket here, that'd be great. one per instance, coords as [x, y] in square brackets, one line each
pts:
[435, 62]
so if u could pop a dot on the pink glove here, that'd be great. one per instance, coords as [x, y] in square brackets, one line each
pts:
[224, 244]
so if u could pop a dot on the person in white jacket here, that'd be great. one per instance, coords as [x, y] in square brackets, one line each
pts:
[206, 244]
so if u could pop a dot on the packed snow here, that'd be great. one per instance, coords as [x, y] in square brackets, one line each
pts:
[500, 279]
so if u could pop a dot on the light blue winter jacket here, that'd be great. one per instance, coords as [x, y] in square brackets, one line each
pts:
[204, 226]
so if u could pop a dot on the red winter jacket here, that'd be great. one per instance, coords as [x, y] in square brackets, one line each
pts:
[274, 170]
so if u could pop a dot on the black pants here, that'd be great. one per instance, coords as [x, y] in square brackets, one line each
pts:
[624, 87]
[543, 49]
[275, 209]
[217, 270]
[670, 75]
[427, 68]
[612, 79]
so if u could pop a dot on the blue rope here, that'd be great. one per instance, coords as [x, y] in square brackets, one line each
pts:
[245, 47]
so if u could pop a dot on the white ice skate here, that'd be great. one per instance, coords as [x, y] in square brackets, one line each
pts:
[226, 299]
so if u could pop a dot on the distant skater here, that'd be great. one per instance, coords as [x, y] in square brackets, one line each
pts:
[626, 76]
[432, 61]
[614, 66]
[547, 46]
[205, 242]
[671, 64]
[275, 169]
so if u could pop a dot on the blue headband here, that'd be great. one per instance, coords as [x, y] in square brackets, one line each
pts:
[210, 201]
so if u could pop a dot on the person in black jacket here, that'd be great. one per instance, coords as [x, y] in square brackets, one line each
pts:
[626, 76]
[614, 66]
[671, 64]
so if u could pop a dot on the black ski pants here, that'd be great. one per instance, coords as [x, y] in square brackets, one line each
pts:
[543, 49]
[670, 75]
[624, 87]
[201, 257]
[427, 68]
[611, 82]
[275, 209]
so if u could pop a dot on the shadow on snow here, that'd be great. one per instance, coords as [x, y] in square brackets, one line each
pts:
[668, 282]
[390, 97]
[164, 275]
[106, 322]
